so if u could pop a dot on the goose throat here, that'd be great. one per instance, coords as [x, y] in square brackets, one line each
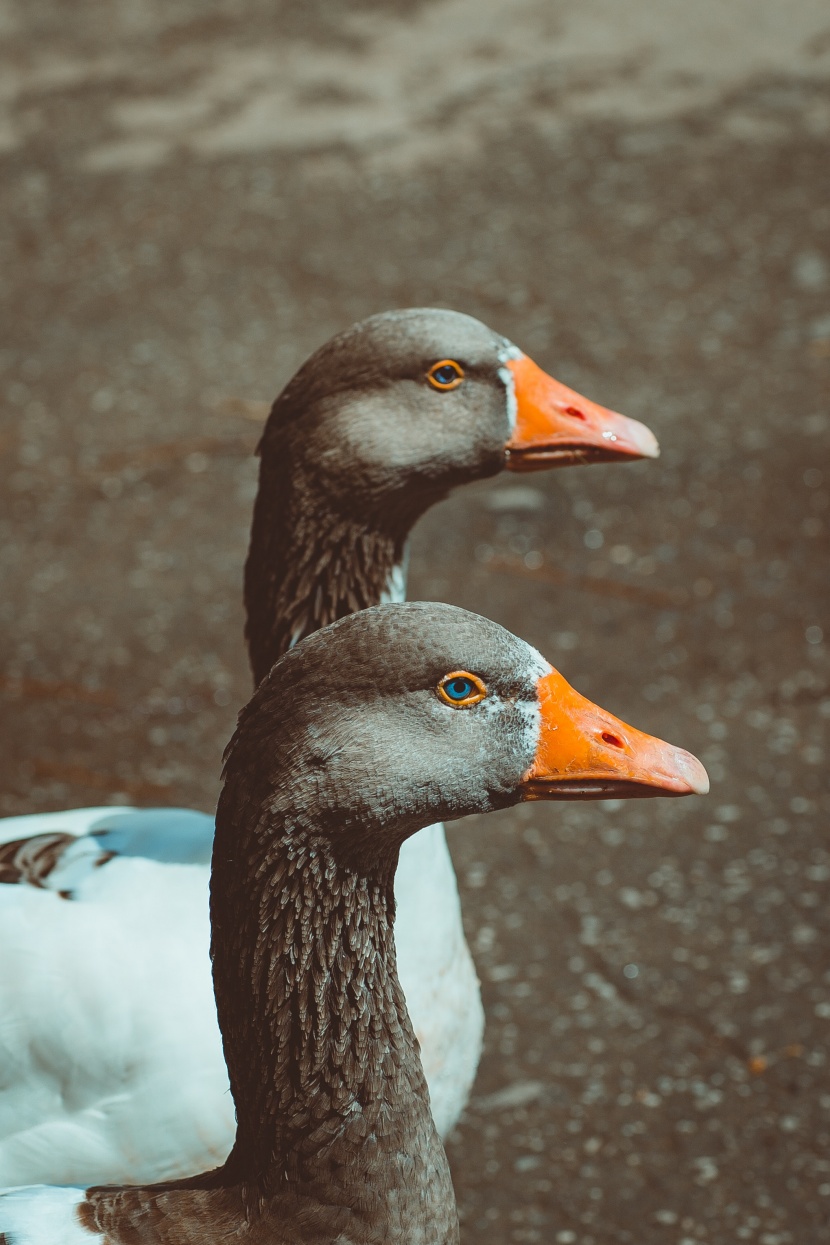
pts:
[319, 1045]
[308, 566]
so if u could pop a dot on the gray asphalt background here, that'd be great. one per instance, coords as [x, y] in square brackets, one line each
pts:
[640, 198]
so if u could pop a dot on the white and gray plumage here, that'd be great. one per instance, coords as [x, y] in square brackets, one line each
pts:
[110, 1060]
[358, 737]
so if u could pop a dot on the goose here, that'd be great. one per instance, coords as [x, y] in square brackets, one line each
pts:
[367, 731]
[111, 1064]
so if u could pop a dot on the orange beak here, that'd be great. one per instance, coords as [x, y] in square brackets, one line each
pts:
[585, 753]
[556, 427]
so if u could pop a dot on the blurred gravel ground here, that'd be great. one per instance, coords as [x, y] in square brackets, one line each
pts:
[656, 975]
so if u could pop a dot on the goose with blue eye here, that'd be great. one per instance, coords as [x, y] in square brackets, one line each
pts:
[461, 689]
[361, 735]
[103, 918]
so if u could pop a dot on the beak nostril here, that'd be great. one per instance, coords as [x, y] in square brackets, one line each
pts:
[613, 740]
[575, 412]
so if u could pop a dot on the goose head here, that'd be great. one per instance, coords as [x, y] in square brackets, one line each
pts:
[380, 423]
[404, 714]
[401, 407]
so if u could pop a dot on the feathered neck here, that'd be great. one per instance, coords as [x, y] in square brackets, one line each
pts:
[312, 560]
[331, 1100]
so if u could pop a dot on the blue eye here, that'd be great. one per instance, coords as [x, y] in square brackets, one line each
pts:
[461, 689]
[447, 374]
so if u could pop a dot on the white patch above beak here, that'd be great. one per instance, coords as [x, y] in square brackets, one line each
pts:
[509, 351]
[531, 712]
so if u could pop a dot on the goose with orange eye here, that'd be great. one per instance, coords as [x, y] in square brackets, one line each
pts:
[445, 375]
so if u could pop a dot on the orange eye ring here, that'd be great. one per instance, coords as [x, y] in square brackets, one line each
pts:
[445, 374]
[459, 689]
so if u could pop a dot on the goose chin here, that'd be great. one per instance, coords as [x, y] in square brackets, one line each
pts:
[544, 459]
[605, 788]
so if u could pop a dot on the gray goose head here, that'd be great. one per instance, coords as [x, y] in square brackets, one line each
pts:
[366, 731]
[382, 723]
[433, 713]
[381, 422]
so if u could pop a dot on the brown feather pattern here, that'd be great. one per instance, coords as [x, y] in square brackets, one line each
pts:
[307, 564]
[30, 861]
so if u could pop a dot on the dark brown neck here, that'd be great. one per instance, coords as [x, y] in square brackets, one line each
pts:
[335, 1140]
[323, 1063]
[309, 562]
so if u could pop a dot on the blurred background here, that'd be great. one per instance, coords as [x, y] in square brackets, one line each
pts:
[194, 196]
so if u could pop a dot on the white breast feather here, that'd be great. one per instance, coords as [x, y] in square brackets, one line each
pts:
[395, 590]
